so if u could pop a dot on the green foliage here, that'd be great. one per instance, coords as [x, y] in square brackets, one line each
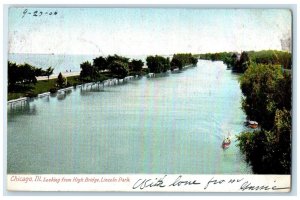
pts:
[273, 57]
[30, 94]
[13, 74]
[176, 63]
[40, 87]
[119, 69]
[36, 71]
[88, 71]
[61, 81]
[110, 59]
[21, 75]
[136, 65]
[267, 99]
[145, 71]
[181, 60]
[269, 152]
[28, 73]
[117, 66]
[239, 63]
[158, 64]
[262, 89]
[53, 90]
[193, 60]
[100, 63]
[48, 72]
[231, 60]
[216, 56]
[252, 145]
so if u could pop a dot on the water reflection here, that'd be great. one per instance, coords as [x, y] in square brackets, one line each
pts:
[160, 75]
[87, 88]
[133, 128]
[45, 98]
[24, 108]
[53, 94]
[61, 95]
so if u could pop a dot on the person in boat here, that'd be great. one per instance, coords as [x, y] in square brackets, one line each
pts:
[227, 139]
[226, 143]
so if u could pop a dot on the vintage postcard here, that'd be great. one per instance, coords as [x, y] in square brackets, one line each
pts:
[160, 99]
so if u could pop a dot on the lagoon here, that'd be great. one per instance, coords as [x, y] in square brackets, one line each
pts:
[171, 123]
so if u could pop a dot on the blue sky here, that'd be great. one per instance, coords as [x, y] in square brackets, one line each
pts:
[140, 31]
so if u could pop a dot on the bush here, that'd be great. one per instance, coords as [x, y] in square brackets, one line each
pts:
[158, 64]
[30, 94]
[53, 90]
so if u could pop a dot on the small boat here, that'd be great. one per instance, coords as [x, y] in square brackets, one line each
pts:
[226, 143]
[252, 124]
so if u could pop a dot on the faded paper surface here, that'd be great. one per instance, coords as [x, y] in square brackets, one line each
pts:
[119, 130]
[150, 183]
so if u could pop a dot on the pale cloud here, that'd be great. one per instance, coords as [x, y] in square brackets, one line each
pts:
[149, 31]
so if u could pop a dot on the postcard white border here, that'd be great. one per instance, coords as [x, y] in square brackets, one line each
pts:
[294, 173]
[149, 183]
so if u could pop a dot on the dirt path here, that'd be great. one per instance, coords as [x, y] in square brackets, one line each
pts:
[65, 74]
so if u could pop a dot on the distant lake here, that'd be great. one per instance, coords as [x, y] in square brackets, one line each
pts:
[173, 123]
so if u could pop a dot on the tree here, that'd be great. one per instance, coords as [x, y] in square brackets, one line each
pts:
[119, 69]
[136, 65]
[13, 74]
[100, 63]
[27, 73]
[176, 63]
[260, 88]
[117, 65]
[283, 132]
[158, 64]
[182, 59]
[193, 60]
[38, 71]
[110, 59]
[88, 71]
[272, 57]
[244, 62]
[61, 80]
[20, 75]
[269, 152]
[48, 72]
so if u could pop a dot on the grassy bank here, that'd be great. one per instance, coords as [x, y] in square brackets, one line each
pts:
[39, 87]
[43, 86]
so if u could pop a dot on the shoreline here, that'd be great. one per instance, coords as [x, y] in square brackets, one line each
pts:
[73, 78]
[54, 76]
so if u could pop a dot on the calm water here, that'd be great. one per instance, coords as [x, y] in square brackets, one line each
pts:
[169, 124]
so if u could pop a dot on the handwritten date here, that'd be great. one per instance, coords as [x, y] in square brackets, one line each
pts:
[38, 13]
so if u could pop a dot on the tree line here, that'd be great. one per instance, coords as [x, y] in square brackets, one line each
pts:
[117, 66]
[273, 57]
[267, 99]
[21, 75]
[159, 64]
[182, 59]
[240, 62]
[120, 67]
[266, 86]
